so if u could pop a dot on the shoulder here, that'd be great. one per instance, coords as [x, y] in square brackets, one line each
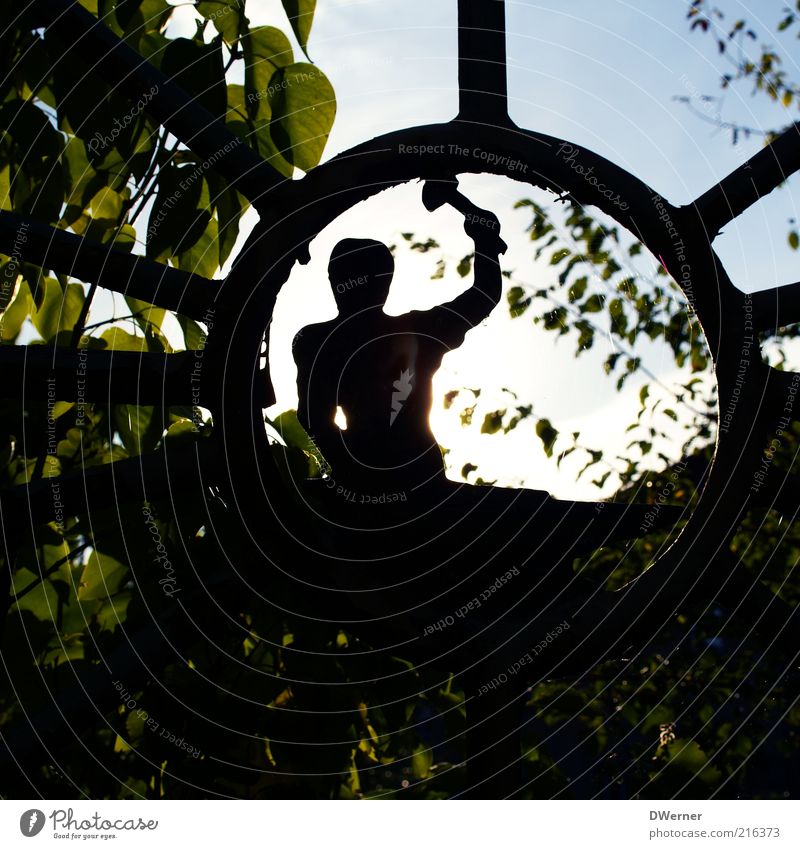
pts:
[309, 338]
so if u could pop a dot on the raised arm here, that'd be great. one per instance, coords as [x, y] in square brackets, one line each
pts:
[451, 321]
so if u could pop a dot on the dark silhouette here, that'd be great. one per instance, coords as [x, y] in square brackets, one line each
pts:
[378, 368]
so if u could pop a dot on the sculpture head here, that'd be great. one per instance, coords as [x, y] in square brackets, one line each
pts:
[360, 271]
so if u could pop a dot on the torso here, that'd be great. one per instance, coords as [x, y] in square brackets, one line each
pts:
[379, 371]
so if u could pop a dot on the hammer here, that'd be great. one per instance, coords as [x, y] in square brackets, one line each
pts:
[436, 193]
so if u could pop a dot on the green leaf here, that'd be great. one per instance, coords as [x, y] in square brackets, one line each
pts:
[449, 397]
[441, 267]
[193, 334]
[564, 454]
[33, 71]
[41, 601]
[303, 108]
[59, 309]
[548, 434]
[585, 336]
[301, 16]
[522, 413]
[295, 437]
[594, 303]
[5, 188]
[423, 247]
[578, 288]
[183, 430]
[34, 147]
[689, 757]
[261, 138]
[203, 257]
[422, 761]
[594, 458]
[227, 16]
[465, 265]
[600, 482]
[9, 283]
[292, 432]
[117, 339]
[265, 50]
[14, 317]
[198, 69]
[230, 207]
[556, 320]
[125, 239]
[518, 301]
[466, 415]
[106, 204]
[141, 16]
[493, 422]
[139, 428]
[147, 316]
[105, 11]
[237, 108]
[61, 407]
[178, 218]
[79, 173]
[113, 611]
[101, 577]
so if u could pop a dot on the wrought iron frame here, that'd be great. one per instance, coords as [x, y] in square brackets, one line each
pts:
[237, 460]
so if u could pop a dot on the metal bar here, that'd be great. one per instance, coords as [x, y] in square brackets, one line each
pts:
[483, 91]
[49, 247]
[751, 181]
[776, 307]
[38, 373]
[151, 476]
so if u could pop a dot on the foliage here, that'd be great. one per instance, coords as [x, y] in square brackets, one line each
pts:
[78, 155]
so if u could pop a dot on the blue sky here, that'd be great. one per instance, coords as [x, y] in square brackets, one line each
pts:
[602, 75]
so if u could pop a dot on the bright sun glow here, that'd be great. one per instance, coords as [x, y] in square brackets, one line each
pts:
[510, 361]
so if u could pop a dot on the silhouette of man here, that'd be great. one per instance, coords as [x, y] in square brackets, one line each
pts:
[378, 368]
